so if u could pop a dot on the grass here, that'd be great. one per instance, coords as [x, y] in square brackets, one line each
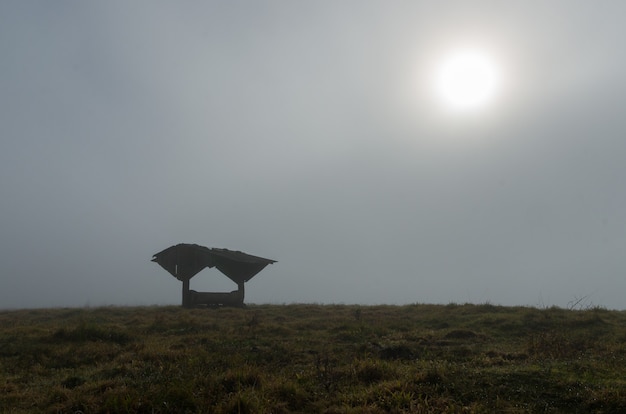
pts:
[313, 358]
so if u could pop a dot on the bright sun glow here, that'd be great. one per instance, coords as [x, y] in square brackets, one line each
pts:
[467, 80]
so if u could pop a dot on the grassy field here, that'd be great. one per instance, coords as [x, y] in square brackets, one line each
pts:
[313, 358]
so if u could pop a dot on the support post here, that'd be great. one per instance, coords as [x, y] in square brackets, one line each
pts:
[186, 293]
[240, 289]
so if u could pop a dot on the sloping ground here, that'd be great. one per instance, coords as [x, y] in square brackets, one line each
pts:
[313, 358]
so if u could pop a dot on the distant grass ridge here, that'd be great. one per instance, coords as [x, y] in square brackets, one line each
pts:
[313, 358]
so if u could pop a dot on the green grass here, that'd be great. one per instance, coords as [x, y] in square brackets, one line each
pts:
[313, 358]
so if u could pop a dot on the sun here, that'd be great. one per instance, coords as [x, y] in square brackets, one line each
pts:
[466, 80]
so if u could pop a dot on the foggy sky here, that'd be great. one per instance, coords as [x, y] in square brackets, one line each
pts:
[303, 132]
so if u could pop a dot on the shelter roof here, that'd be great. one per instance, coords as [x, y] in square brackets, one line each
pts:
[184, 261]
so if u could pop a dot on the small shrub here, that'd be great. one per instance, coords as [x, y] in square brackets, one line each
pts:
[326, 372]
[433, 376]
[238, 380]
[460, 334]
[72, 382]
[397, 352]
[294, 397]
[178, 399]
[124, 401]
[87, 332]
[372, 371]
[554, 345]
[393, 397]
[241, 403]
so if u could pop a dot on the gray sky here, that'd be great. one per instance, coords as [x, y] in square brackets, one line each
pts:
[305, 132]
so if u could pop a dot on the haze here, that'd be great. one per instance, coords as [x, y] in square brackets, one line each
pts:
[304, 132]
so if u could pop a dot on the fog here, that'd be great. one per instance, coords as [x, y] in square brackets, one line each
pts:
[304, 132]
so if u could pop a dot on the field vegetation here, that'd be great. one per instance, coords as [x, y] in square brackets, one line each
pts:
[313, 359]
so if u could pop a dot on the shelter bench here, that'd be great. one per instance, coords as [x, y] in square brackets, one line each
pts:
[234, 298]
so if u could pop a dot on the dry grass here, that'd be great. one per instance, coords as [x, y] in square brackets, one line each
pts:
[313, 358]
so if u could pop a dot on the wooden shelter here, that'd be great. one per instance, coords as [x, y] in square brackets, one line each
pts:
[184, 261]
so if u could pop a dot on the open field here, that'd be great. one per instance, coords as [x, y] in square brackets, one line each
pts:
[313, 358]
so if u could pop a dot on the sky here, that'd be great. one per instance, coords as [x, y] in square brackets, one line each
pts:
[309, 133]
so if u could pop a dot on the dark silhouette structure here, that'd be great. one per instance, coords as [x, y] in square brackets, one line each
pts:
[184, 261]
